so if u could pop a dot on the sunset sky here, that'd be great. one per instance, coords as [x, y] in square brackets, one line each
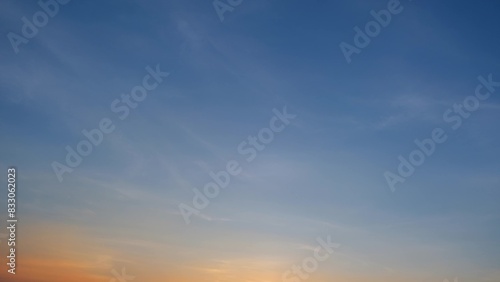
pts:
[321, 176]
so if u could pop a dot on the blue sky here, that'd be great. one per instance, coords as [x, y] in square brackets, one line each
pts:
[323, 175]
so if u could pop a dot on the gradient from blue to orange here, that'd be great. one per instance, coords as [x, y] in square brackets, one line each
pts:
[321, 176]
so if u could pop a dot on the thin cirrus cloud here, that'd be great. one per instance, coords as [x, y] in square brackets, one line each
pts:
[321, 176]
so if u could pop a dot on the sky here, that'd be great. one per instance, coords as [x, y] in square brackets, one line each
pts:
[329, 126]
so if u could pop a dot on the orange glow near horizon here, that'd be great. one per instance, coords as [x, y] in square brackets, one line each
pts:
[75, 257]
